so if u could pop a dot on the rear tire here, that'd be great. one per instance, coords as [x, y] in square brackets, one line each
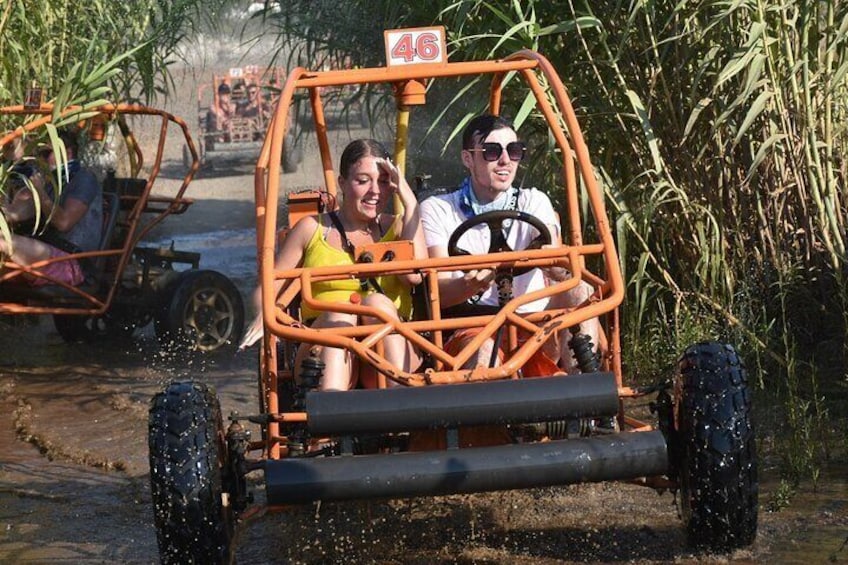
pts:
[205, 312]
[716, 454]
[187, 453]
[92, 329]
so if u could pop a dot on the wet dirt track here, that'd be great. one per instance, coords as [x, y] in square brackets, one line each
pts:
[73, 471]
[74, 485]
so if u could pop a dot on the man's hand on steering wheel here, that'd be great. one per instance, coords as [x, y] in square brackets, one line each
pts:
[497, 241]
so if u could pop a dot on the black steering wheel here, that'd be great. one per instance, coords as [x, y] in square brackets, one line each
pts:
[497, 240]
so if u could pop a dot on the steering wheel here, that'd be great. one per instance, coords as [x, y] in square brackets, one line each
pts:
[497, 240]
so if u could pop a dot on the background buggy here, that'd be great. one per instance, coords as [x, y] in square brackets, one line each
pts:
[241, 139]
[130, 284]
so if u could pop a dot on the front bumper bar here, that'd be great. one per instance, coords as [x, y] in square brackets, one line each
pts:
[620, 456]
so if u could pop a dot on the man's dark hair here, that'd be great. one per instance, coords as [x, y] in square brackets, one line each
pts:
[356, 150]
[483, 126]
[70, 139]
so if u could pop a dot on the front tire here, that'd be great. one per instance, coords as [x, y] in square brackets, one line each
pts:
[205, 312]
[194, 524]
[715, 452]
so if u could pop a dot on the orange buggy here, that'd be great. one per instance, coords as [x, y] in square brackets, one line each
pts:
[128, 283]
[324, 446]
[240, 138]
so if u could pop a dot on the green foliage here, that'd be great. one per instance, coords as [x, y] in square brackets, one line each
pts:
[781, 497]
[87, 53]
[42, 41]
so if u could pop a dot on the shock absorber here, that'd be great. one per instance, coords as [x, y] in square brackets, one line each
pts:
[583, 348]
[311, 372]
[589, 362]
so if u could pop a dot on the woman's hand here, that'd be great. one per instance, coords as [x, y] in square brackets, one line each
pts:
[389, 174]
[411, 223]
[396, 183]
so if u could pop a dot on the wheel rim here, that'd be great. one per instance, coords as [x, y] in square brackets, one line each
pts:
[209, 319]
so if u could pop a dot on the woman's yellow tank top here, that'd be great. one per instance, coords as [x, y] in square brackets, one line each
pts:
[319, 253]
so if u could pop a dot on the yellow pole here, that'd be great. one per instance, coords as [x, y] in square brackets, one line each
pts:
[401, 142]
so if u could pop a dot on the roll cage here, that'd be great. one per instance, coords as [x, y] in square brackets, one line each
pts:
[409, 83]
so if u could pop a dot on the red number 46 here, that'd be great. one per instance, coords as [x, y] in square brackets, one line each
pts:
[426, 47]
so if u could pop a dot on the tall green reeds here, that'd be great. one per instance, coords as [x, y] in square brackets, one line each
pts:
[720, 133]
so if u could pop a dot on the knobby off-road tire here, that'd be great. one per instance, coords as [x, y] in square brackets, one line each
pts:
[92, 329]
[187, 452]
[716, 455]
[203, 311]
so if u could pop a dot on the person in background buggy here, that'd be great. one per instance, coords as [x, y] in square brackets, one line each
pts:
[221, 113]
[70, 223]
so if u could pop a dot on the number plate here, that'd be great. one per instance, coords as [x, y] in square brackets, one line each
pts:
[415, 46]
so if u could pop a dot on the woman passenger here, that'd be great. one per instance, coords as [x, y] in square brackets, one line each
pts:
[367, 181]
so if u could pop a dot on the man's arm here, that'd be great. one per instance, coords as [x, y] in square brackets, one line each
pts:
[540, 206]
[456, 290]
[73, 204]
[65, 216]
[453, 289]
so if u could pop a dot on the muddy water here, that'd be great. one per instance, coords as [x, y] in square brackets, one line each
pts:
[73, 469]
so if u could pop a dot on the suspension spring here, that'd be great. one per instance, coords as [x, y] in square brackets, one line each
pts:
[584, 351]
[311, 372]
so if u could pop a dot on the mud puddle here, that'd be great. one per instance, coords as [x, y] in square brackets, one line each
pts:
[590, 523]
[232, 252]
[814, 527]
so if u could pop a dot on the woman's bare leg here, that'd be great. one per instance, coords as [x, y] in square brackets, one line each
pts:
[399, 352]
[338, 374]
[24, 250]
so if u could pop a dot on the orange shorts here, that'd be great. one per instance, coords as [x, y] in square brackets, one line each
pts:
[539, 365]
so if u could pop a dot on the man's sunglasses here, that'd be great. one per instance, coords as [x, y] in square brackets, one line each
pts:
[492, 151]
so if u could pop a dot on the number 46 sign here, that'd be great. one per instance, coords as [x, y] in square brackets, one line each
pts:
[415, 46]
